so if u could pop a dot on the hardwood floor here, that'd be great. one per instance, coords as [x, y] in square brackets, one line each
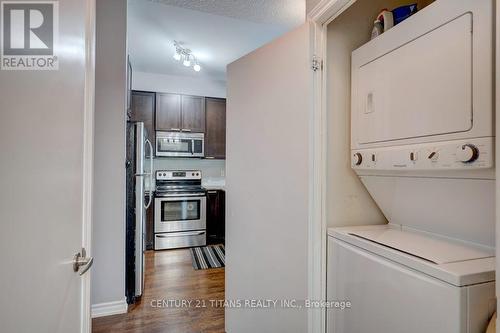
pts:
[170, 276]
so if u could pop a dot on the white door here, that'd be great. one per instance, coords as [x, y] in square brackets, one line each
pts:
[44, 171]
[268, 183]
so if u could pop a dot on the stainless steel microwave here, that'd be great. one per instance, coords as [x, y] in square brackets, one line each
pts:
[178, 144]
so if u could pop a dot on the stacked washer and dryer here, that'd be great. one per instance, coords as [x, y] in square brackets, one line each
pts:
[422, 143]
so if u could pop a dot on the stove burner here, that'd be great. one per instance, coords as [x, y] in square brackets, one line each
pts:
[179, 183]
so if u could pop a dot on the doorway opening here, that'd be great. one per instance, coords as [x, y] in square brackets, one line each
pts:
[175, 129]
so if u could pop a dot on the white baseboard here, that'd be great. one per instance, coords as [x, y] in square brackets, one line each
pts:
[109, 308]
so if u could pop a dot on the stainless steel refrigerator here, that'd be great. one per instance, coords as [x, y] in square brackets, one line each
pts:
[139, 198]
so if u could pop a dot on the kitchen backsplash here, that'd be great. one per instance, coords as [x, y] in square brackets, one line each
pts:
[213, 171]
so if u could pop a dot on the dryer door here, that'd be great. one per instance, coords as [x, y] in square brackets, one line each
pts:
[427, 79]
[419, 89]
[387, 297]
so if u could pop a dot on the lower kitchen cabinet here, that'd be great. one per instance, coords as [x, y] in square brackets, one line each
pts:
[216, 216]
[150, 226]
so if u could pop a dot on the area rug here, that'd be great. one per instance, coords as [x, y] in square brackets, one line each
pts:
[206, 257]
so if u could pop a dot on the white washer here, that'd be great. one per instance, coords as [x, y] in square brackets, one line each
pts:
[405, 281]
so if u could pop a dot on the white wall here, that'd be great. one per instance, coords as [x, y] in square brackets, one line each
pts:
[267, 183]
[200, 86]
[108, 277]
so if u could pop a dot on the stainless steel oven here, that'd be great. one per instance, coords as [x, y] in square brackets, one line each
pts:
[178, 144]
[173, 213]
[180, 210]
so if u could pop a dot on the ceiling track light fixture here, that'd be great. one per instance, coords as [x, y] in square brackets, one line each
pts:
[186, 56]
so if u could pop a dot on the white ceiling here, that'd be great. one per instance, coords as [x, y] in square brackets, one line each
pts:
[217, 31]
[283, 12]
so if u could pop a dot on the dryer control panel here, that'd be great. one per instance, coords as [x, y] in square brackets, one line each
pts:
[447, 155]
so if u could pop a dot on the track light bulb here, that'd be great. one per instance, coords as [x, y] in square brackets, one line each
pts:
[185, 56]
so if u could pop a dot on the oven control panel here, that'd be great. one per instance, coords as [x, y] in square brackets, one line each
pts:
[447, 155]
[178, 175]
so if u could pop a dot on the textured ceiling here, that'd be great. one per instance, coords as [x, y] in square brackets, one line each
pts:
[287, 12]
[213, 32]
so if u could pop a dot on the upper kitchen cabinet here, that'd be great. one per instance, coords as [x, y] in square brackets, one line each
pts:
[193, 114]
[176, 112]
[142, 108]
[215, 132]
[168, 112]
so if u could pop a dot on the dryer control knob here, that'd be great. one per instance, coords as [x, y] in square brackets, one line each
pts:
[467, 153]
[357, 159]
[433, 156]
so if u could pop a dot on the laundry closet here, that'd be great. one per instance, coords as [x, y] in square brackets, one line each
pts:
[410, 190]
[386, 170]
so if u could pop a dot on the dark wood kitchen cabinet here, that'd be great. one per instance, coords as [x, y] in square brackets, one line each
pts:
[168, 112]
[193, 114]
[176, 112]
[150, 225]
[143, 109]
[216, 216]
[215, 132]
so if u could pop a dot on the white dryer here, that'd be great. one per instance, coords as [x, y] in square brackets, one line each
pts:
[422, 143]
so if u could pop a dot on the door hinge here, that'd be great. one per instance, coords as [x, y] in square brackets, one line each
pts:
[316, 63]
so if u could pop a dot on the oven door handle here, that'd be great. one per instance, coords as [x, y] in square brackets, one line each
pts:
[180, 195]
[196, 233]
[150, 192]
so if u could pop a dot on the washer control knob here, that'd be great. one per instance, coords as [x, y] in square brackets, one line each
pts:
[357, 159]
[467, 153]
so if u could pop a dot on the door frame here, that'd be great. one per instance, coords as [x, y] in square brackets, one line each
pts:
[497, 144]
[88, 158]
[319, 18]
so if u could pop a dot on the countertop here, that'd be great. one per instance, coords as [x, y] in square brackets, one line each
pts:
[214, 184]
[214, 188]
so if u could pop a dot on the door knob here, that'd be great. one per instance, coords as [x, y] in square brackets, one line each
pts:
[81, 260]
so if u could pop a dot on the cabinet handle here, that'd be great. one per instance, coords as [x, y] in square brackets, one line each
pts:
[212, 192]
[185, 130]
[209, 157]
[175, 129]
